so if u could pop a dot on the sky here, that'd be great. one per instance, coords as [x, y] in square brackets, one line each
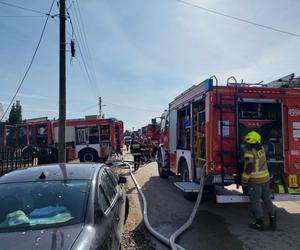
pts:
[141, 54]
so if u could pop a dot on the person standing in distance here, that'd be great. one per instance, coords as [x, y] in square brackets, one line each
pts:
[136, 152]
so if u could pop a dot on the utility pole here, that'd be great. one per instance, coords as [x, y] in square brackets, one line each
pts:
[100, 107]
[62, 81]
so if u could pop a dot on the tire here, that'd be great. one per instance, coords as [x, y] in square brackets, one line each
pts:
[29, 152]
[185, 178]
[53, 155]
[43, 155]
[88, 155]
[161, 171]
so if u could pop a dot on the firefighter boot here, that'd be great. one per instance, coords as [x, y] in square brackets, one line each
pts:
[258, 224]
[273, 221]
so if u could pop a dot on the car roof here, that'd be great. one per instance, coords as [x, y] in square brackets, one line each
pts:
[67, 171]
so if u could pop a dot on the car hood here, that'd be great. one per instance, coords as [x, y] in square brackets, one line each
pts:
[54, 238]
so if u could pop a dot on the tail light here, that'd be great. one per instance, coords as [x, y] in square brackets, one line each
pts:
[218, 167]
[215, 167]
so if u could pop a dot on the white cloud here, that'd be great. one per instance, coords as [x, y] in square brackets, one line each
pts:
[39, 97]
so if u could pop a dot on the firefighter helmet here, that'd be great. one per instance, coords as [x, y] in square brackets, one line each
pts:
[252, 137]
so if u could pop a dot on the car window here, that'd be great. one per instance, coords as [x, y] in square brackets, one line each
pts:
[108, 187]
[37, 205]
[102, 199]
[113, 177]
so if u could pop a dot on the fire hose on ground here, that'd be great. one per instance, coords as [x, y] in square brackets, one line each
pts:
[169, 242]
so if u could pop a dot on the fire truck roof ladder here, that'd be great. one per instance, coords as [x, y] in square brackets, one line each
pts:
[229, 108]
[289, 81]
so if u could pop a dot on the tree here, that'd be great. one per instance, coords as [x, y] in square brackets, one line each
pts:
[127, 133]
[15, 114]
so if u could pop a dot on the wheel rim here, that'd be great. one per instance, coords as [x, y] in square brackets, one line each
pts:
[88, 157]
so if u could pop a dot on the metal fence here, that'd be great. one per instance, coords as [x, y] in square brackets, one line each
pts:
[12, 159]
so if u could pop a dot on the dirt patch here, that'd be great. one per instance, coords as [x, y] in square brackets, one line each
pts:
[137, 239]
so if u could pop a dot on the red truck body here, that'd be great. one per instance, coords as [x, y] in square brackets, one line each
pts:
[86, 139]
[205, 126]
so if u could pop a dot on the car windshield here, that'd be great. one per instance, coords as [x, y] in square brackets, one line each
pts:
[40, 205]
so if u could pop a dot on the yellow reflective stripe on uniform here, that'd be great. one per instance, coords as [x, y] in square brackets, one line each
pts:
[256, 165]
[246, 176]
[135, 146]
[248, 155]
[259, 175]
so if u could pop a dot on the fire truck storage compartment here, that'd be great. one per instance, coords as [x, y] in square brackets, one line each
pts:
[265, 117]
[198, 127]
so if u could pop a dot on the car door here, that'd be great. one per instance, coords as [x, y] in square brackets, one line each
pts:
[111, 214]
[119, 206]
[105, 225]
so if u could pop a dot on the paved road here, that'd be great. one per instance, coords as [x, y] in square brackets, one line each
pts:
[217, 226]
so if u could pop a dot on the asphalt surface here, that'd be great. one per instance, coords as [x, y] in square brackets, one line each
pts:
[216, 226]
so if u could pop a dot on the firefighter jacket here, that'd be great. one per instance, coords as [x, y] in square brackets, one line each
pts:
[255, 165]
[136, 148]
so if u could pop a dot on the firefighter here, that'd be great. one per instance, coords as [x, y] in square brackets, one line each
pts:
[136, 152]
[257, 178]
[148, 149]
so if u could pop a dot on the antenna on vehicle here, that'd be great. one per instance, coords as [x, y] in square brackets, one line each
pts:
[43, 175]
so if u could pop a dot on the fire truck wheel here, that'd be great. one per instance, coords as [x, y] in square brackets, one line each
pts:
[88, 155]
[29, 151]
[161, 171]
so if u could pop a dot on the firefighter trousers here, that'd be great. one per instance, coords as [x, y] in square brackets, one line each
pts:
[137, 159]
[258, 192]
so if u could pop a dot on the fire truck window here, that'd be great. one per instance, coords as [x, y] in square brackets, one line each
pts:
[32, 137]
[42, 135]
[184, 127]
[162, 125]
[81, 136]
[104, 133]
[94, 135]
[22, 137]
[10, 137]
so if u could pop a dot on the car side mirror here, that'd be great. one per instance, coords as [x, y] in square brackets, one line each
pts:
[122, 180]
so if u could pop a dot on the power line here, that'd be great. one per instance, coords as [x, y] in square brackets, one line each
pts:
[238, 18]
[83, 58]
[31, 61]
[82, 46]
[22, 8]
[83, 39]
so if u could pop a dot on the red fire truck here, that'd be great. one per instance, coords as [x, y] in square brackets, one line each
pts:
[205, 125]
[92, 139]
[152, 131]
[89, 139]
